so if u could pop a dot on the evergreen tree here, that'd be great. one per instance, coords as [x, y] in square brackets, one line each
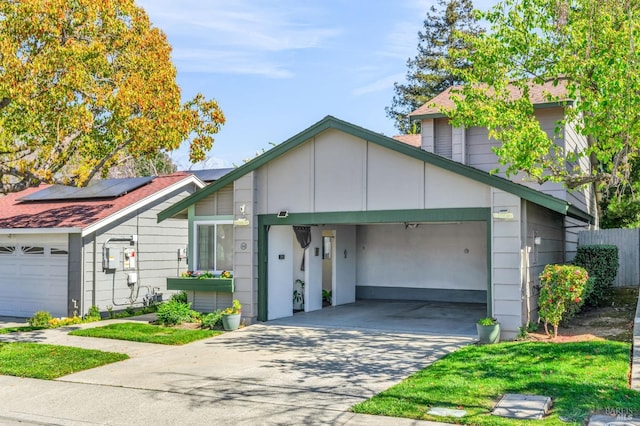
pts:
[427, 75]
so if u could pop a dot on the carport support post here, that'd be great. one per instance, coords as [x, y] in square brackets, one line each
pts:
[489, 226]
[263, 285]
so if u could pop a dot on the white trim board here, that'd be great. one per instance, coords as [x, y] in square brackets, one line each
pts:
[191, 179]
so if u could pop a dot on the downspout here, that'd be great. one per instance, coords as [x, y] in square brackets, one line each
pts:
[94, 275]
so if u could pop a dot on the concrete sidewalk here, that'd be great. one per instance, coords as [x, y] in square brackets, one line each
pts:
[262, 374]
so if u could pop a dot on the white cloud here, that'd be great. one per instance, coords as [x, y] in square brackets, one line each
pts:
[382, 84]
[213, 60]
[239, 36]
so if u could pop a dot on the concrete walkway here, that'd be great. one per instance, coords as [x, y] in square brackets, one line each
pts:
[635, 362]
[262, 374]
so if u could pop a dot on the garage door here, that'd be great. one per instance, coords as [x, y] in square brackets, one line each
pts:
[33, 277]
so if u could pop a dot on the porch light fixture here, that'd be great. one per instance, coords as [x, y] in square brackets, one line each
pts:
[282, 214]
[242, 221]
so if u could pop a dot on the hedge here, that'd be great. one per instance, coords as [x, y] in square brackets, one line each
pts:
[601, 262]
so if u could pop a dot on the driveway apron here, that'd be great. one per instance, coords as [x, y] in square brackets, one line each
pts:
[262, 374]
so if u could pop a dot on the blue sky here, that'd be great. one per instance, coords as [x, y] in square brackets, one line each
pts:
[276, 67]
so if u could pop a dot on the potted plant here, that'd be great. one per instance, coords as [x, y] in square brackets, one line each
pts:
[488, 330]
[298, 296]
[231, 316]
[326, 298]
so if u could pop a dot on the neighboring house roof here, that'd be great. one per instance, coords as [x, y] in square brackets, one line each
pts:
[82, 215]
[329, 122]
[538, 94]
[413, 140]
[209, 175]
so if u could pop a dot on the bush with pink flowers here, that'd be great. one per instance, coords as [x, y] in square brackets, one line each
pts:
[561, 289]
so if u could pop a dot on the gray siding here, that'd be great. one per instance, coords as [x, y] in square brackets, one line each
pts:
[479, 154]
[206, 301]
[479, 149]
[548, 226]
[583, 199]
[443, 137]
[506, 265]
[155, 251]
[245, 256]
[573, 228]
[220, 203]
[75, 261]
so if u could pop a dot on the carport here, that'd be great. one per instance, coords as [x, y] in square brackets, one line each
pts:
[423, 258]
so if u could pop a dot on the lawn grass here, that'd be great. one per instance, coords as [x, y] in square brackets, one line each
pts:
[581, 377]
[146, 333]
[18, 329]
[41, 361]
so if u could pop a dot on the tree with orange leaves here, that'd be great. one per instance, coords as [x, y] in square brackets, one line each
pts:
[85, 84]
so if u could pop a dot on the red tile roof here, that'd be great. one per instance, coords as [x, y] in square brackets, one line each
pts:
[16, 214]
[538, 94]
[413, 140]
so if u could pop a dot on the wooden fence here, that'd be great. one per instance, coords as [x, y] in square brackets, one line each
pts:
[628, 243]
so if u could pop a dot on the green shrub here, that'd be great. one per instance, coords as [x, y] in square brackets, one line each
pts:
[601, 262]
[93, 314]
[212, 320]
[174, 313]
[561, 288]
[180, 297]
[40, 319]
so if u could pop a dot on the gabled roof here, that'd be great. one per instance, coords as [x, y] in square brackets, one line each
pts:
[538, 95]
[413, 140]
[330, 122]
[82, 215]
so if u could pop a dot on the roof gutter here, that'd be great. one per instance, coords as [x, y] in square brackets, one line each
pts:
[22, 231]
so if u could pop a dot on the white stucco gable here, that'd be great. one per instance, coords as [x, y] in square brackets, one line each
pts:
[335, 171]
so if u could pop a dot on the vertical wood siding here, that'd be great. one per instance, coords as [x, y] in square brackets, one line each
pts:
[628, 243]
[443, 138]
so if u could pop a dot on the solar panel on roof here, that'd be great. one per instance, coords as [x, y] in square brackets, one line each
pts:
[107, 188]
[210, 175]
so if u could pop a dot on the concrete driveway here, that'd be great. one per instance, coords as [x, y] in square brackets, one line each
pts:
[262, 374]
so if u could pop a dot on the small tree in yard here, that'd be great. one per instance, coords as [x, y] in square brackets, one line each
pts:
[561, 288]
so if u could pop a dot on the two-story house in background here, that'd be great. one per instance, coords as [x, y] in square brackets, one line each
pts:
[381, 219]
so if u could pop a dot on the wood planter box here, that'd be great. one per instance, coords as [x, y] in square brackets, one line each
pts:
[220, 285]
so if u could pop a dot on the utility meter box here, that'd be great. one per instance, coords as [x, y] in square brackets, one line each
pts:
[110, 258]
[132, 278]
[129, 258]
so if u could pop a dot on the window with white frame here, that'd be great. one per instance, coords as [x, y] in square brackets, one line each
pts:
[214, 246]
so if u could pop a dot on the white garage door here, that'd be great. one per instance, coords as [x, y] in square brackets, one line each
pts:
[33, 277]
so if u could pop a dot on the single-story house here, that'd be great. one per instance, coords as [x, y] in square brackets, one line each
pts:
[64, 249]
[364, 216]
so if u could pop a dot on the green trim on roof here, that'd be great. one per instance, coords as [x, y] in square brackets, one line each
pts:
[380, 216]
[330, 122]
